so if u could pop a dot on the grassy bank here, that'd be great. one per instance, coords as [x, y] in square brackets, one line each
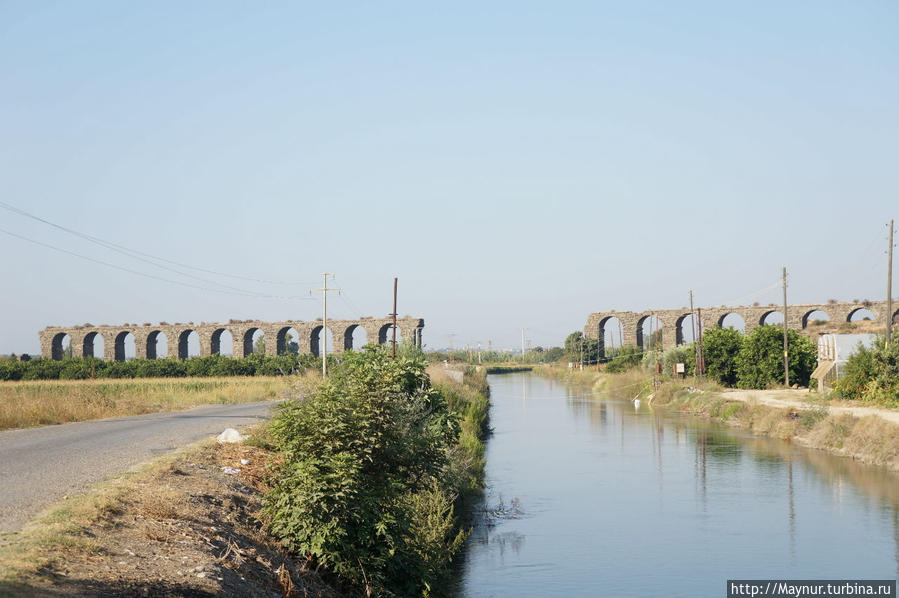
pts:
[178, 526]
[814, 423]
[869, 439]
[36, 403]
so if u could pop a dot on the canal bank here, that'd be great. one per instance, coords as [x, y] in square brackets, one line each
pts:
[866, 433]
[588, 495]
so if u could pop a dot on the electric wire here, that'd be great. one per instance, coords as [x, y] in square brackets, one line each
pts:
[153, 276]
[143, 256]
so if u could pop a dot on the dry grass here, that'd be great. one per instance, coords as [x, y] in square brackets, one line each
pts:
[870, 439]
[37, 403]
[149, 532]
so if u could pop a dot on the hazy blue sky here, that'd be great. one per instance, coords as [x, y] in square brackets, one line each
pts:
[514, 163]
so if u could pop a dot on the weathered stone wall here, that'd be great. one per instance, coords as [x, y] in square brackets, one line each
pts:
[675, 321]
[146, 336]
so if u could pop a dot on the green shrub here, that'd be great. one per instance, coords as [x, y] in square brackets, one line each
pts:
[171, 367]
[626, 358]
[363, 488]
[720, 350]
[684, 354]
[871, 375]
[760, 361]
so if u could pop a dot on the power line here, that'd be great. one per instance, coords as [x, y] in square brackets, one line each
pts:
[144, 274]
[136, 254]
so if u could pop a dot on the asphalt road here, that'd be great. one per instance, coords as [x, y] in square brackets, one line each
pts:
[39, 466]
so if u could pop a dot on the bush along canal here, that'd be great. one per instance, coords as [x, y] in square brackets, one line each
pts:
[377, 462]
[589, 495]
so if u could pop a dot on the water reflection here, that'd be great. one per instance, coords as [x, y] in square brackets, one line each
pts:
[611, 491]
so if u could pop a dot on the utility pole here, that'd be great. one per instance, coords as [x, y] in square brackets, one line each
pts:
[890, 287]
[700, 362]
[324, 333]
[786, 342]
[693, 330]
[522, 343]
[479, 352]
[394, 318]
[469, 352]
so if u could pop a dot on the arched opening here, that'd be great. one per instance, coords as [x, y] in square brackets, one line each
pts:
[611, 337]
[732, 320]
[253, 342]
[685, 330]
[61, 346]
[157, 345]
[288, 341]
[354, 338]
[124, 346]
[861, 314]
[188, 344]
[816, 317]
[770, 318]
[315, 341]
[222, 342]
[385, 334]
[649, 333]
[93, 345]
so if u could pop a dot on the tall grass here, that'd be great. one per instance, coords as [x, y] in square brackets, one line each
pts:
[36, 403]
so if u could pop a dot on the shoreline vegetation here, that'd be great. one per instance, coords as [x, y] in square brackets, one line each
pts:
[392, 527]
[815, 422]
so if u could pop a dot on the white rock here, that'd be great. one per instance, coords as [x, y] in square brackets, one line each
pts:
[230, 435]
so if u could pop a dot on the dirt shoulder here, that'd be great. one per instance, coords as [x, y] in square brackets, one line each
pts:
[180, 527]
[803, 399]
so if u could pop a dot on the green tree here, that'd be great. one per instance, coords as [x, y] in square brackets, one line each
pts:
[578, 347]
[259, 346]
[721, 349]
[760, 361]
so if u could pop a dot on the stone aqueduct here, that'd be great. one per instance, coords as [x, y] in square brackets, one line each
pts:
[674, 322]
[210, 335]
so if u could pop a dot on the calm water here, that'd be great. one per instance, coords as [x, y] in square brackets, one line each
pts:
[618, 501]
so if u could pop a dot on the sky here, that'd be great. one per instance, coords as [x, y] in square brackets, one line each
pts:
[514, 164]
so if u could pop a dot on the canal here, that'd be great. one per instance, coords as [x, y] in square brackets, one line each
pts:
[590, 496]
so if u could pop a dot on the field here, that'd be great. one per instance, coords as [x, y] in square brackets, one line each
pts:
[36, 403]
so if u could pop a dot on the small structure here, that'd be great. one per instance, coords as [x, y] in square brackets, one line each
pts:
[834, 351]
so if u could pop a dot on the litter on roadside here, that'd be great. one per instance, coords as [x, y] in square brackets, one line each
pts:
[231, 470]
[244, 461]
[230, 435]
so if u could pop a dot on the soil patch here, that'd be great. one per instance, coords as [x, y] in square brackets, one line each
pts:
[185, 529]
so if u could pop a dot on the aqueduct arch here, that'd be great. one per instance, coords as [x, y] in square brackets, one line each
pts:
[85, 339]
[753, 316]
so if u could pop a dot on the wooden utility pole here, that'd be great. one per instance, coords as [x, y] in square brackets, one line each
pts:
[700, 362]
[786, 342]
[890, 287]
[693, 332]
[324, 332]
[394, 318]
